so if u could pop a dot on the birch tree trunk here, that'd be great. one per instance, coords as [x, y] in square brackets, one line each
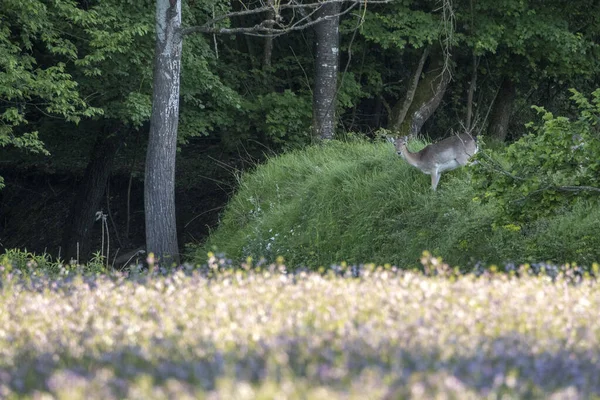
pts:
[159, 187]
[326, 70]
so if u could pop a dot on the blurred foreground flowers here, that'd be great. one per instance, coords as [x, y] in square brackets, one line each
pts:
[343, 333]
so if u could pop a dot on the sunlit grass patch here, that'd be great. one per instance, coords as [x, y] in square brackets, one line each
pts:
[359, 202]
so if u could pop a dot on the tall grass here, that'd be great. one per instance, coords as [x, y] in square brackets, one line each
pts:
[359, 202]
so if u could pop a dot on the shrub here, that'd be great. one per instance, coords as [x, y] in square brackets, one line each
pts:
[551, 168]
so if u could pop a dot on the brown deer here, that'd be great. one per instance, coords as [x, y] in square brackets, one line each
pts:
[436, 158]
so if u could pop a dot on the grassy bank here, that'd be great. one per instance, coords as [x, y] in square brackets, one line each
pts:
[359, 202]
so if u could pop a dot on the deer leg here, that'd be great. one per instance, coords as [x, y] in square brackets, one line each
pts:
[435, 178]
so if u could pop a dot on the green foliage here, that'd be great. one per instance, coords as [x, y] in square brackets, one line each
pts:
[209, 103]
[28, 264]
[350, 91]
[284, 118]
[531, 39]
[115, 63]
[137, 109]
[114, 33]
[110, 65]
[398, 25]
[34, 50]
[557, 163]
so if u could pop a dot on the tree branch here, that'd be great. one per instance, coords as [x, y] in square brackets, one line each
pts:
[448, 30]
[274, 27]
[576, 188]
[558, 188]
[497, 167]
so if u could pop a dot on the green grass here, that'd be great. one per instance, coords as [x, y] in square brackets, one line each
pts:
[27, 264]
[359, 202]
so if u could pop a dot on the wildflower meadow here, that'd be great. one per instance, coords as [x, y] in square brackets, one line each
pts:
[339, 333]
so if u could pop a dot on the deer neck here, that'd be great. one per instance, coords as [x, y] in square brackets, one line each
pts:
[413, 159]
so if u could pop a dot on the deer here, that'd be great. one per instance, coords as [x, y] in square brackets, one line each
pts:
[446, 155]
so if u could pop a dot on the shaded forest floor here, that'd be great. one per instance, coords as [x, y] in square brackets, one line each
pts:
[35, 207]
[36, 200]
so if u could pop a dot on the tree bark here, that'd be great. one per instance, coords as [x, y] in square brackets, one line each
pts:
[159, 187]
[77, 233]
[501, 111]
[472, 88]
[428, 95]
[326, 70]
[399, 111]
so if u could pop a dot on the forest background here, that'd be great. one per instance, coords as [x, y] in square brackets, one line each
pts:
[76, 105]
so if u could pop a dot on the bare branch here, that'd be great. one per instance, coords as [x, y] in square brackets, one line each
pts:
[263, 29]
[301, 10]
[448, 28]
[274, 27]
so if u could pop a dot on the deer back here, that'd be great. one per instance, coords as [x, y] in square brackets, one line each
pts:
[447, 154]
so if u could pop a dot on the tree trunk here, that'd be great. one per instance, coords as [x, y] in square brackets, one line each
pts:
[77, 233]
[326, 70]
[399, 111]
[378, 108]
[428, 95]
[500, 114]
[472, 88]
[159, 187]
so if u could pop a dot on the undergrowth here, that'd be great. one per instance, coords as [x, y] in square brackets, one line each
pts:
[24, 263]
